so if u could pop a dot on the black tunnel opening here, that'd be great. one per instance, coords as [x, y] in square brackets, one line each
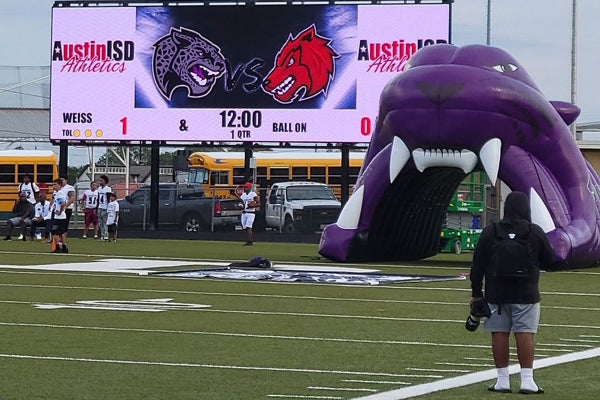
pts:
[407, 222]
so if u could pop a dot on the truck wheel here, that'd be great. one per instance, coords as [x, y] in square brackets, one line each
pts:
[456, 247]
[288, 225]
[193, 223]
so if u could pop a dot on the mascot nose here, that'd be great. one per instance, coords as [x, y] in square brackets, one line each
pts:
[438, 93]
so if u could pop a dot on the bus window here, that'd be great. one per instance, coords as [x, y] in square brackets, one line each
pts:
[317, 174]
[353, 175]
[278, 174]
[25, 169]
[7, 173]
[261, 176]
[198, 175]
[45, 173]
[219, 177]
[238, 176]
[335, 176]
[299, 173]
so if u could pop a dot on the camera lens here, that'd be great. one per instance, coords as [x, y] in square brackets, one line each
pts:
[472, 323]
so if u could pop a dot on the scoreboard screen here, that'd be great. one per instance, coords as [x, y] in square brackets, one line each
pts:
[257, 73]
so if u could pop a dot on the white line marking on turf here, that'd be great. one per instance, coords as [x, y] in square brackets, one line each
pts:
[106, 265]
[581, 340]
[144, 305]
[244, 335]
[376, 382]
[438, 370]
[340, 389]
[277, 296]
[564, 345]
[194, 365]
[315, 315]
[295, 396]
[464, 364]
[476, 377]
[554, 350]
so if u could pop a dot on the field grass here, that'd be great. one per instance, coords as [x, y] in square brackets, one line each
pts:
[265, 340]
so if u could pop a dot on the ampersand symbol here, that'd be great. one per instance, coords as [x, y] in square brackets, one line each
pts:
[183, 125]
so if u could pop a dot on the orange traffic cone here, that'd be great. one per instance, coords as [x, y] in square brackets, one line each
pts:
[53, 244]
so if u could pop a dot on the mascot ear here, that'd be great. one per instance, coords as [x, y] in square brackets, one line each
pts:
[567, 111]
[181, 37]
[308, 34]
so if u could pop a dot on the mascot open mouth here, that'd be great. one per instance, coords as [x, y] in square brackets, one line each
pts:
[284, 86]
[454, 111]
[203, 76]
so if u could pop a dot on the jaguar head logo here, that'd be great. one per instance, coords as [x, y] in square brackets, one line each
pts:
[184, 58]
[304, 67]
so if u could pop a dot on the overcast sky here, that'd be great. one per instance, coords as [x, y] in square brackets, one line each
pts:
[535, 32]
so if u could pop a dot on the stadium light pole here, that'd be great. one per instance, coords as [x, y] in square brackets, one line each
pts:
[488, 39]
[574, 63]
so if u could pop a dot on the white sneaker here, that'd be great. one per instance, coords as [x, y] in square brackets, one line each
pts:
[21, 237]
[38, 236]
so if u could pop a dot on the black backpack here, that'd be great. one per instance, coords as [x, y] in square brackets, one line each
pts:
[512, 256]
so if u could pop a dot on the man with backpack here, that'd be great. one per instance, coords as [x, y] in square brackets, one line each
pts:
[508, 257]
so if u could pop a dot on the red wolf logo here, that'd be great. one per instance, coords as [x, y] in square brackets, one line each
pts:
[304, 63]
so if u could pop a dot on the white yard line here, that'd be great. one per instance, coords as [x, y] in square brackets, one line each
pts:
[423, 288]
[438, 370]
[195, 365]
[482, 376]
[341, 389]
[295, 396]
[580, 340]
[376, 382]
[464, 364]
[564, 345]
[244, 335]
[317, 315]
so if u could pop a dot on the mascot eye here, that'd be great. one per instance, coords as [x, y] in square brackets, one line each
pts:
[507, 67]
[290, 62]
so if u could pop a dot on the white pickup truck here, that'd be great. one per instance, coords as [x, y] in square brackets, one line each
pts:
[300, 206]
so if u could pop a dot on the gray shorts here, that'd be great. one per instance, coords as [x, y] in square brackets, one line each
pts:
[16, 221]
[516, 317]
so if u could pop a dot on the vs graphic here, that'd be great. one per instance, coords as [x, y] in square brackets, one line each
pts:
[304, 67]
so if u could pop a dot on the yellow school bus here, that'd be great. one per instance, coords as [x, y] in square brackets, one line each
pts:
[221, 172]
[40, 165]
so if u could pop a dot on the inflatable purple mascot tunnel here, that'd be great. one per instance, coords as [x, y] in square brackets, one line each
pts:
[452, 111]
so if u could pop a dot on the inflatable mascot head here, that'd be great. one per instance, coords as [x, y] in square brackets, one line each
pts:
[452, 111]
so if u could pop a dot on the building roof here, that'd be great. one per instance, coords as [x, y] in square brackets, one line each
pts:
[24, 125]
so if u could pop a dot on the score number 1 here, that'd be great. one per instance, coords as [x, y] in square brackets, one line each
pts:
[123, 122]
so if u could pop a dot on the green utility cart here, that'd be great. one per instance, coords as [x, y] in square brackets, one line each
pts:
[461, 227]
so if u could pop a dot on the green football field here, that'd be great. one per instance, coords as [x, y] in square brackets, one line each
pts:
[74, 327]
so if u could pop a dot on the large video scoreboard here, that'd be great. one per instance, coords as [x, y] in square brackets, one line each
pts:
[259, 73]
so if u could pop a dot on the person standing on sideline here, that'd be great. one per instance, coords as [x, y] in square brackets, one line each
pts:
[23, 211]
[103, 190]
[89, 203]
[42, 218]
[69, 192]
[514, 300]
[29, 188]
[112, 216]
[250, 202]
[59, 217]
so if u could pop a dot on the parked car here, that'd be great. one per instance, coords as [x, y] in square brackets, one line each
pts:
[180, 206]
[300, 206]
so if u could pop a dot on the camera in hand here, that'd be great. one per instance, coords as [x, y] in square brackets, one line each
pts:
[479, 309]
